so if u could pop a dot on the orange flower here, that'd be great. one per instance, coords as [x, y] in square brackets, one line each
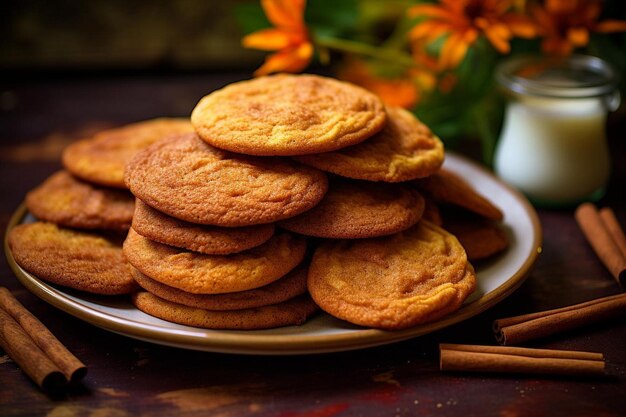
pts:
[402, 91]
[566, 24]
[289, 37]
[463, 21]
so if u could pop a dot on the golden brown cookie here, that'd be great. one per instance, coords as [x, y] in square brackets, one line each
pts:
[212, 240]
[405, 149]
[290, 286]
[198, 273]
[74, 259]
[359, 209]
[447, 187]
[392, 282]
[288, 114]
[69, 202]
[188, 179]
[101, 159]
[481, 238]
[288, 313]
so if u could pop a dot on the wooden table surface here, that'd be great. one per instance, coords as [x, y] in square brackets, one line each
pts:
[128, 377]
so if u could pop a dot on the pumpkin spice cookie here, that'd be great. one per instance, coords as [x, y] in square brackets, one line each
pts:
[288, 313]
[198, 273]
[447, 187]
[101, 159]
[405, 149]
[288, 114]
[190, 180]
[481, 238]
[359, 209]
[69, 202]
[212, 240]
[79, 260]
[290, 286]
[392, 282]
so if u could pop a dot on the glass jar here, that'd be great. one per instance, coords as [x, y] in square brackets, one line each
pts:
[553, 143]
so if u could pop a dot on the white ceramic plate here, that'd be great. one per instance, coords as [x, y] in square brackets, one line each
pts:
[497, 279]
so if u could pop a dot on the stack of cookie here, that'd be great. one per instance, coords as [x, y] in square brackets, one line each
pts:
[324, 163]
[84, 212]
[289, 193]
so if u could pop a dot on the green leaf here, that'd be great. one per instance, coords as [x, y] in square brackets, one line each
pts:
[332, 18]
[250, 16]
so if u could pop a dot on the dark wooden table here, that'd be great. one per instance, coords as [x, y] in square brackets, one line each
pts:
[128, 377]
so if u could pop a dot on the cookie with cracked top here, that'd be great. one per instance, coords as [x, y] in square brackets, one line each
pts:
[288, 114]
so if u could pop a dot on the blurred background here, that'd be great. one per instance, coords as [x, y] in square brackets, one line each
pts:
[62, 40]
[39, 36]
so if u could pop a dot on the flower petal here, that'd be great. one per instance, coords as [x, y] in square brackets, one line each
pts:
[610, 25]
[429, 30]
[285, 13]
[289, 60]
[520, 26]
[430, 10]
[578, 36]
[267, 40]
[455, 48]
[498, 35]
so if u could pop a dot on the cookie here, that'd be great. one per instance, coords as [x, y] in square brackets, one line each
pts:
[404, 150]
[392, 282]
[432, 212]
[75, 259]
[447, 187]
[288, 114]
[290, 286]
[198, 273]
[481, 238]
[288, 313]
[190, 180]
[212, 240]
[69, 202]
[101, 159]
[359, 209]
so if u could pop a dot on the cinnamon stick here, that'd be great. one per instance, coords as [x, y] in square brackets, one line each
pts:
[33, 361]
[36, 333]
[612, 225]
[515, 330]
[602, 241]
[474, 358]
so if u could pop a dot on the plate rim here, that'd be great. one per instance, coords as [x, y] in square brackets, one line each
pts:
[249, 343]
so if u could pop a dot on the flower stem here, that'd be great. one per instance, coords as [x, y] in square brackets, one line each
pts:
[344, 45]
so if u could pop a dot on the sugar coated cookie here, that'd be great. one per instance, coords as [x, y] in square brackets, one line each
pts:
[481, 238]
[392, 282]
[288, 313]
[193, 181]
[70, 258]
[404, 150]
[447, 187]
[288, 114]
[212, 240]
[101, 159]
[359, 209]
[290, 286]
[70, 202]
[214, 274]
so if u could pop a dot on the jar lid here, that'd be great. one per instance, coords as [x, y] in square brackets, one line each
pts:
[576, 76]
